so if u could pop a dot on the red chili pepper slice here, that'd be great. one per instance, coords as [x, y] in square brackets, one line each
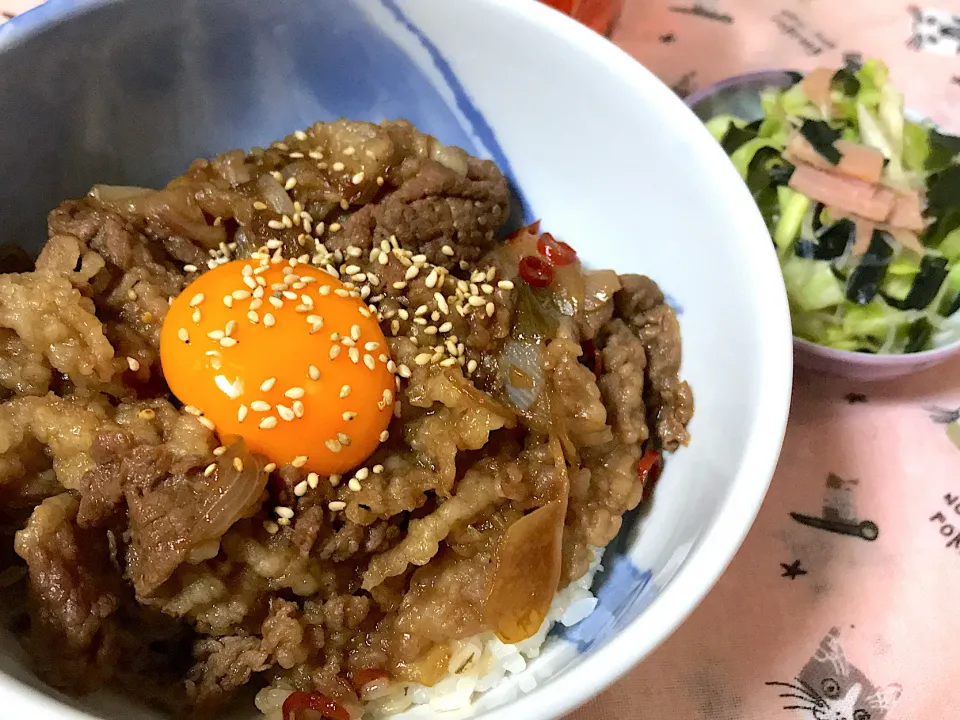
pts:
[317, 702]
[533, 228]
[649, 466]
[536, 271]
[367, 675]
[556, 251]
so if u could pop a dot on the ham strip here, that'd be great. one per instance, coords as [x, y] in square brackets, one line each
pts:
[816, 86]
[907, 213]
[863, 236]
[856, 161]
[865, 228]
[849, 195]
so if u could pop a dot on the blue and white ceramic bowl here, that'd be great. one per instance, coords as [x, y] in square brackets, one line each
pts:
[128, 92]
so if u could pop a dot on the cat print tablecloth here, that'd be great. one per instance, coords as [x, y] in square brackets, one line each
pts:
[842, 603]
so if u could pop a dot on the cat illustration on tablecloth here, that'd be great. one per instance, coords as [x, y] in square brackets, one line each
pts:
[829, 687]
[933, 30]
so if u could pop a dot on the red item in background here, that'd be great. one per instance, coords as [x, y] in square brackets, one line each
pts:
[599, 15]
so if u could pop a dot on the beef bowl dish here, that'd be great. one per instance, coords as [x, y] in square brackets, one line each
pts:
[359, 401]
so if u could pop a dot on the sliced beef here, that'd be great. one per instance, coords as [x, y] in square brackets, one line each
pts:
[436, 208]
[641, 304]
[624, 361]
[223, 665]
[74, 592]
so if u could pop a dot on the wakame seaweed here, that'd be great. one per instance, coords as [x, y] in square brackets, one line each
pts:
[821, 136]
[734, 137]
[943, 149]
[845, 80]
[781, 174]
[927, 283]
[865, 280]
[918, 335]
[832, 242]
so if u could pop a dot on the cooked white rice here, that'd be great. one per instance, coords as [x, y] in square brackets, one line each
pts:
[477, 665]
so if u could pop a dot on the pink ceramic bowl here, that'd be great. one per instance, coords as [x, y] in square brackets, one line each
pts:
[740, 96]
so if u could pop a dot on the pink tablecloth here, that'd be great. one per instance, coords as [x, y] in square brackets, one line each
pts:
[861, 613]
[867, 617]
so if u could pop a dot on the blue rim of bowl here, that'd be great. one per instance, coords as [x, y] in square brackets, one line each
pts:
[933, 355]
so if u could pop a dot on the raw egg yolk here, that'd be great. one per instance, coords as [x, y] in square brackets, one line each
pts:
[283, 355]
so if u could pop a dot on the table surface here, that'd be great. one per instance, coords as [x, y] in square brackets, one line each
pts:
[800, 604]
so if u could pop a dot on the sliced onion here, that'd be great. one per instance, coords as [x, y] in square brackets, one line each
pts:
[274, 194]
[118, 194]
[599, 288]
[522, 365]
[230, 493]
[527, 573]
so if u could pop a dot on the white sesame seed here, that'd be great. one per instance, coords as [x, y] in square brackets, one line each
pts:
[133, 364]
[216, 334]
[334, 352]
[284, 511]
[190, 268]
[300, 135]
[300, 489]
[505, 285]
[268, 423]
[338, 166]
[354, 355]
[313, 480]
[206, 422]
[196, 300]
[218, 451]
[227, 342]
[354, 485]
[267, 385]
[285, 413]
[259, 205]
[313, 372]
[491, 309]
[259, 406]
[283, 521]
[253, 317]
[337, 505]
[209, 469]
[294, 393]
[358, 178]
[334, 227]
[196, 315]
[269, 320]
[333, 445]
[269, 467]
[299, 461]
[377, 469]
[275, 225]
[362, 474]
[250, 282]
[344, 439]
[238, 464]
[241, 413]
[230, 328]
[432, 279]
[404, 371]
[183, 335]
[476, 301]
[345, 392]
[271, 527]
[471, 366]
[448, 362]
[298, 408]
[290, 184]
[384, 436]
[422, 359]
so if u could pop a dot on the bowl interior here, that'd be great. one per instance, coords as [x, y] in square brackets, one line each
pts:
[609, 159]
